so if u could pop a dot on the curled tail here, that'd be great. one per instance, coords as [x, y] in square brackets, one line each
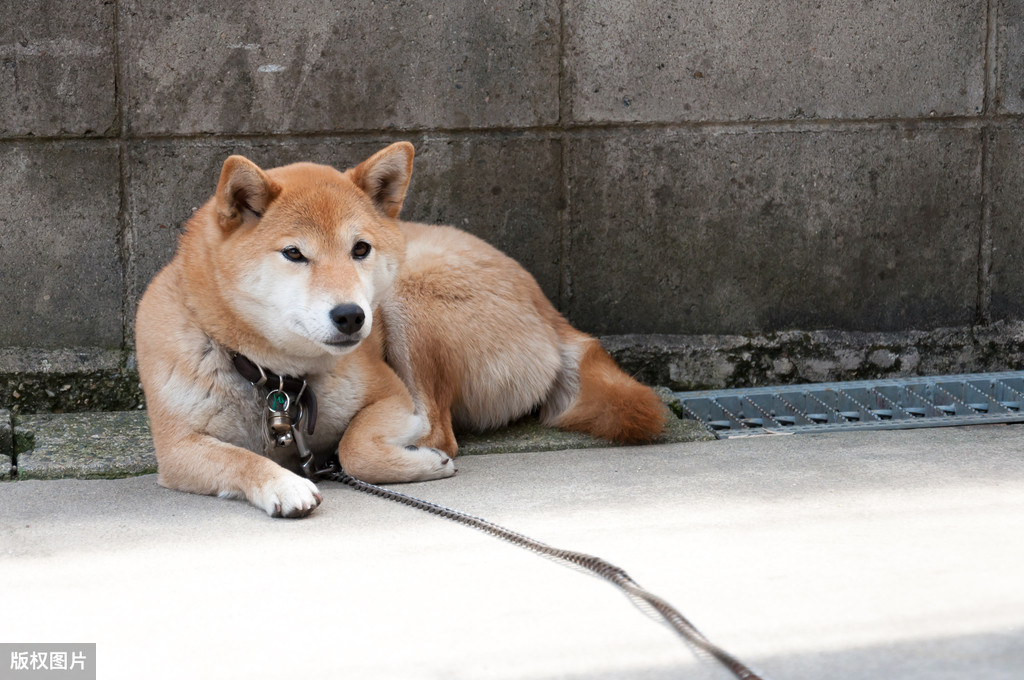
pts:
[593, 395]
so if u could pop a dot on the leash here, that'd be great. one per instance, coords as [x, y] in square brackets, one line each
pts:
[288, 429]
[605, 570]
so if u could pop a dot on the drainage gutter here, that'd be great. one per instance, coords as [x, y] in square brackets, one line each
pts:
[898, 403]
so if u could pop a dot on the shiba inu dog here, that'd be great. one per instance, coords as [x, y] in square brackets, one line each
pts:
[302, 281]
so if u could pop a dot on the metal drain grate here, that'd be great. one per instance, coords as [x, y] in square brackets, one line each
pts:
[860, 405]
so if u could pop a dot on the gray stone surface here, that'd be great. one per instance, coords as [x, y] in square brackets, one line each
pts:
[790, 357]
[59, 361]
[1009, 94]
[59, 262]
[69, 380]
[676, 60]
[496, 186]
[676, 231]
[848, 556]
[84, 445]
[285, 66]
[57, 68]
[1006, 147]
[6, 444]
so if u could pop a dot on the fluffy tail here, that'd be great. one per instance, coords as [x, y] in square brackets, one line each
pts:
[608, 403]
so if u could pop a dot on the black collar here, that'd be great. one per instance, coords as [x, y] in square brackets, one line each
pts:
[260, 376]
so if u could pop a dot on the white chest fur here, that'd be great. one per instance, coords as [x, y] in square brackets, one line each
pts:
[223, 404]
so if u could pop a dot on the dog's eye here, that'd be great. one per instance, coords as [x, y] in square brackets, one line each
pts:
[360, 250]
[294, 254]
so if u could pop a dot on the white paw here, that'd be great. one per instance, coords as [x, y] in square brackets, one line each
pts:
[287, 495]
[428, 463]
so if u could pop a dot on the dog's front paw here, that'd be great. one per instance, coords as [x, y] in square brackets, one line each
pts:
[287, 495]
[430, 463]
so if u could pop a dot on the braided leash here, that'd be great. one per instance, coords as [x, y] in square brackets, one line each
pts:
[595, 565]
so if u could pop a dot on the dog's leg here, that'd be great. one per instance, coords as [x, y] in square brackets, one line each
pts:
[379, 445]
[230, 471]
[441, 435]
[431, 382]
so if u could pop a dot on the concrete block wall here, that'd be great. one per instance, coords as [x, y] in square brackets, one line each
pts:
[693, 170]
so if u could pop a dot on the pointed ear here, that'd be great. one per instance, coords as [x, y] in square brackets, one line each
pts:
[243, 192]
[384, 177]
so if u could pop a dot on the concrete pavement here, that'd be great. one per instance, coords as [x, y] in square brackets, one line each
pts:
[865, 555]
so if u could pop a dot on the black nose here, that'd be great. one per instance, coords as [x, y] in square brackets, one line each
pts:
[348, 318]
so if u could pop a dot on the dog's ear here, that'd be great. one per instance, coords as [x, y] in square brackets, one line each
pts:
[385, 175]
[243, 192]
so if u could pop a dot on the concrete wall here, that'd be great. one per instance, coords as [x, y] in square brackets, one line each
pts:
[692, 169]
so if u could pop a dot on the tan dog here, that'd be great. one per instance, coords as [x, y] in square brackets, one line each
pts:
[401, 331]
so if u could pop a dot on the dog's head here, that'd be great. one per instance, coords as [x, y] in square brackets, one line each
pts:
[305, 253]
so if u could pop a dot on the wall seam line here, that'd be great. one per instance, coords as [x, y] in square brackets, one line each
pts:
[564, 204]
[123, 236]
[988, 116]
